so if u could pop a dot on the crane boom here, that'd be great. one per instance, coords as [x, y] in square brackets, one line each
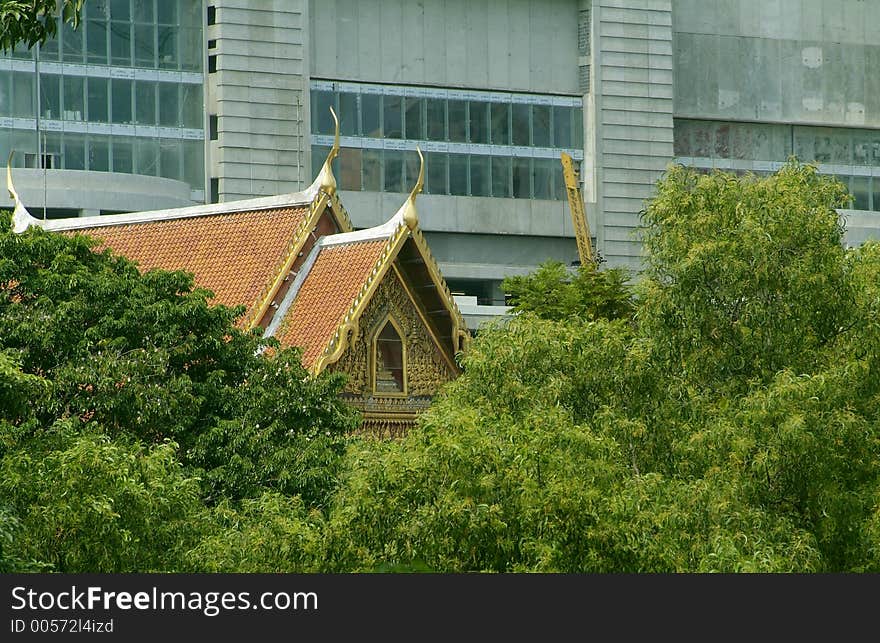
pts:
[578, 216]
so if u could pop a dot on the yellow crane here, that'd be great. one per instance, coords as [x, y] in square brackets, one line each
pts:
[578, 216]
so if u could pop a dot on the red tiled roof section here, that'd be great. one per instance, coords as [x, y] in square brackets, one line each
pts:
[326, 295]
[235, 255]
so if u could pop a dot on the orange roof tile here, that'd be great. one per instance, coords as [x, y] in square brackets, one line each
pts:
[327, 293]
[235, 255]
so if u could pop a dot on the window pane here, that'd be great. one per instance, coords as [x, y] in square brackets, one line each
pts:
[97, 9]
[393, 164]
[74, 152]
[479, 175]
[50, 96]
[120, 93]
[167, 12]
[143, 10]
[562, 127]
[860, 190]
[522, 176]
[194, 164]
[168, 58]
[319, 153]
[520, 124]
[578, 125]
[500, 123]
[168, 105]
[5, 94]
[414, 120]
[191, 14]
[322, 119]
[541, 125]
[348, 114]
[458, 174]
[169, 159]
[96, 41]
[145, 45]
[501, 176]
[372, 161]
[875, 187]
[436, 119]
[71, 44]
[99, 154]
[457, 121]
[192, 106]
[120, 43]
[120, 9]
[389, 361]
[411, 166]
[50, 49]
[350, 168]
[479, 122]
[191, 49]
[544, 178]
[23, 95]
[372, 127]
[122, 155]
[392, 116]
[97, 91]
[435, 173]
[74, 107]
[145, 102]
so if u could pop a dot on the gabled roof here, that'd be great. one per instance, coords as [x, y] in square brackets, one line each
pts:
[323, 306]
[242, 251]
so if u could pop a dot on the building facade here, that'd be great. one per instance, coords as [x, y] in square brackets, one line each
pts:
[184, 102]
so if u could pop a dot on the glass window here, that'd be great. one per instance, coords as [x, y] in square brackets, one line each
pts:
[370, 110]
[22, 94]
[392, 119]
[500, 113]
[168, 105]
[71, 44]
[145, 45]
[372, 162]
[99, 154]
[96, 41]
[875, 189]
[122, 154]
[389, 360]
[147, 156]
[393, 165]
[458, 174]
[415, 129]
[98, 97]
[522, 176]
[562, 127]
[501, 176]
[478, 115]
[192, 106]
[168, 12]
[435, 173]
[97, 9]
[322, 119]
[191, 49]
[190, 14]
[348, 114]
[436, 119]
[194, 164]
[578, 125]
[145, 102]
[169, 159]
[168, 58]
[350, 168]
[319, 153]
[50, 96]
[410, 170]
[74, 152]
[5, 93]
[861, 150]
[143, 10]
[861, 191]
[479, 175]
[120, 9]
[50, 50]
[120, 93]
[120, 43]
[541, 125]
[559, 191]
[74, 108]
[457, 121]
[520, 124]
[543, 180]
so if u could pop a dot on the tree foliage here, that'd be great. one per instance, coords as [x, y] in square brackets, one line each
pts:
[29, 22]
[730, 425]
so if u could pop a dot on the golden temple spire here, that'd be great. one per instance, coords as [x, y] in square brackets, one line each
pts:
[410, 214]
[325, 180]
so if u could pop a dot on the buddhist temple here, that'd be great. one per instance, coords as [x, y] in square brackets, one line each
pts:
[368, 303]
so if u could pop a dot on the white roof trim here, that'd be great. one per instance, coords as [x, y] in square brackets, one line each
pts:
[383, 231]
[295, 199]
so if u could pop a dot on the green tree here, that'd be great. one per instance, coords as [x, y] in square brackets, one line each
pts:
[31, 21]
[730, 425]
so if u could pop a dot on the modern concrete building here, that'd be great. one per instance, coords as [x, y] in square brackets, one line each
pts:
[491, 90]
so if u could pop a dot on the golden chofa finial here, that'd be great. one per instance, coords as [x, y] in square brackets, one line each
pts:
[410, 215]
[326, 181]
[21, 218]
